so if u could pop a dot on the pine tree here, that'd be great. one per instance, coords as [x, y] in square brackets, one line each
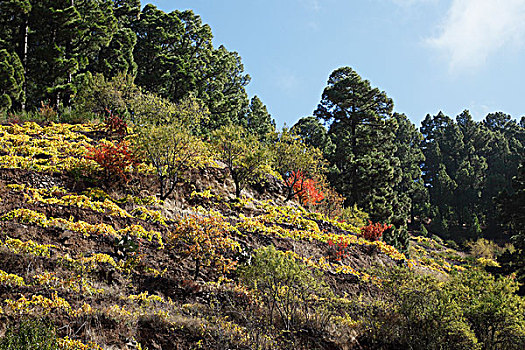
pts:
[314, 134]
[257, 119]
[11, 80]
[455, 172]
[175, 57]
[471, 174]
[14, 32]
[126, 12]
[503, 153]
[511, 206]
[411, 192]
[362, 129]
[117, 57]
[65, 37]
[439, 158]
[223, 88]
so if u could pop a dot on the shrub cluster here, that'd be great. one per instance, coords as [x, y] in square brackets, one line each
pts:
[373, 232]
[207, 241]
[113, 159]
[469, 310]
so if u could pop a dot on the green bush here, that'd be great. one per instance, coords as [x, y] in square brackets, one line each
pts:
[423, 230]
[165, 136]
[354, 216]
[247, 160]
[96, 95]
[492, 308]
[29, 335]
[437, 239]
[483, 248]
[74, 116]
[295, 295]
[148, 108]
[398, 238]
[467, 310]
[416, 312]
[172, 150]
[293, 160]
[452, 244]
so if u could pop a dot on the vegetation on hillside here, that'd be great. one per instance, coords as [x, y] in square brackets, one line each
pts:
[147, 202]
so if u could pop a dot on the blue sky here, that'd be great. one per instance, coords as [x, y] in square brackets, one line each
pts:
[427, 55]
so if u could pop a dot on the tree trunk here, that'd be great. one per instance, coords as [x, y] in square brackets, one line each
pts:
[22, 54]
[237, 183]
[237, 189]
[197, 269]
[354, 193]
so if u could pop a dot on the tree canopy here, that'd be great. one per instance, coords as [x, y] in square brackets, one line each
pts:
[361, 126]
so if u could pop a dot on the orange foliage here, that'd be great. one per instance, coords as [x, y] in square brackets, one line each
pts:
[305, 189]
[332, 205]
[206, 240]
[338, 249]
[115, 124]
[373, 232]
[113, 159]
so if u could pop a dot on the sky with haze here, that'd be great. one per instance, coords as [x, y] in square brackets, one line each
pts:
[427, 55]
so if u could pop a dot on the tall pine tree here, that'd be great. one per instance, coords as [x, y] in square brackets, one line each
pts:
[363, 130]
[175, 58]
[65, 37]
[257, 120]
[14, 32]
[11, 80]
[117, 57]
[411, 192]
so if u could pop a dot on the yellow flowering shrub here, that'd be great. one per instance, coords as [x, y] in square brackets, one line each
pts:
[11, 280]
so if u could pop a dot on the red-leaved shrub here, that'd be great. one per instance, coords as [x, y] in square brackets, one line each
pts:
[338, 249]
[113, 159]
[305, 189]
[373, 232]
[115, 124]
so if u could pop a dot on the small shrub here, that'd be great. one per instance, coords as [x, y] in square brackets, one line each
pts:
[113, 159]
[30, 335]
[423, 230]
[492, 308]
[397, 237]
[373, 232]
[332, 205]
[437, 239]
[354, 216]
[73, 116]
[483, 248]
[206, 240]
[83, 171]
[47, 113]
[127, 245]
[115, 124]
[338, 249]
[294, 295]
[416, 312]
[452, 244]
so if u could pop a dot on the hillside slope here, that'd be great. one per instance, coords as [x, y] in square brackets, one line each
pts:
[110, 266]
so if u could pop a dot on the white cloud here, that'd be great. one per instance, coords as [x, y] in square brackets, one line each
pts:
[475, 29]
[313, 5]
[411, 2]
[287, 82]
